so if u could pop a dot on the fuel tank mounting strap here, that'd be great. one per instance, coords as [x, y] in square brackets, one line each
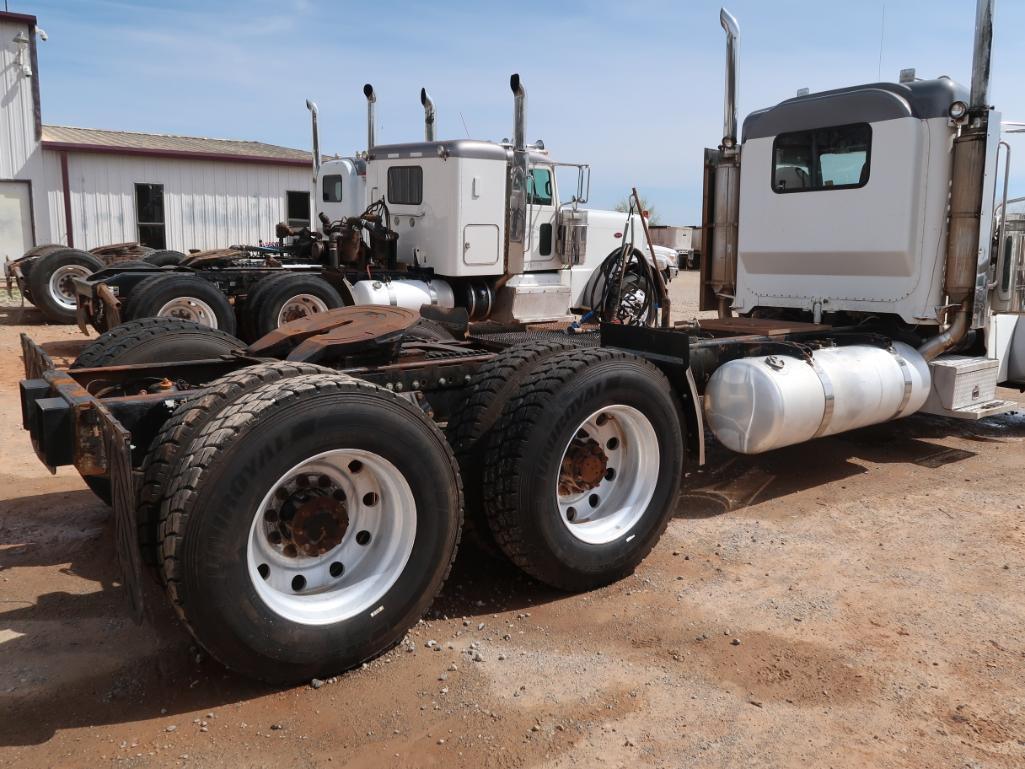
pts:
[827, 392]
[905, 370]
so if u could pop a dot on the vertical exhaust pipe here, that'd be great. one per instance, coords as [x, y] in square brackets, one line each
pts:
[981, 53]
[519, 114]
[964, 266]
[428, 104]
[518, 180]
[312, 107]
[368, 91]
[727, 181]
[729, 118]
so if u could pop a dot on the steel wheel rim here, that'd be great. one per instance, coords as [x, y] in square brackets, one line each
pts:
[372, 548]
[189, 308]
[600, 507]
[300, 306]
[62, 287]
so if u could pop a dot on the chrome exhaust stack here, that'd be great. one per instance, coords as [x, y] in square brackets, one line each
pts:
[964, 267]
[428, 104]
[729, 118]
[368, 91]
[727, 181]
[518, 171]
[312, 107]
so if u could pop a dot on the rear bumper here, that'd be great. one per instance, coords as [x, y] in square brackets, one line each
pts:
[68, 426]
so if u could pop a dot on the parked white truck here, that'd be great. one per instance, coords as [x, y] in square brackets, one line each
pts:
[446, 223]
[302, 502]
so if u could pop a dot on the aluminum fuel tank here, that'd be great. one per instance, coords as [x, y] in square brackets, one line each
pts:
[762, 403]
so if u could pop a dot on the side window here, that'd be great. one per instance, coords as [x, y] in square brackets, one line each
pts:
[539, 187]
[149, 215]
[332, 191]
[822, 159]
[297, 208]
[406, 185]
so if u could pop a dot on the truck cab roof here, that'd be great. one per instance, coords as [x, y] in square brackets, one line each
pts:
[454, 148]
[869, 103]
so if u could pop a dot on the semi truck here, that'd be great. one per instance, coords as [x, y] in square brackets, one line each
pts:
[303, 497]
[476, 225]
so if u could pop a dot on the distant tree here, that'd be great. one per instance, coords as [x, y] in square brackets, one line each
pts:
[653, 218]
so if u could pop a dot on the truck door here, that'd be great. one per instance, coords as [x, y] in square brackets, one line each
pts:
[542, 207]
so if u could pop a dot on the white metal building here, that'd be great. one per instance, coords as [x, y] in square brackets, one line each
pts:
[86, 187]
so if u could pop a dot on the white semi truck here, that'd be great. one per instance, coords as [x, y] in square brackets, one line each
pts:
[445, 223]
[302, 502]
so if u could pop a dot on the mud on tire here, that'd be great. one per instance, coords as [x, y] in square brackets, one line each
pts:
[238, 483]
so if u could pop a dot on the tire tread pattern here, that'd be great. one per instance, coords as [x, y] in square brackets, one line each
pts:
[505, 456]
[219, 432]
[182, 426]
[111, 344]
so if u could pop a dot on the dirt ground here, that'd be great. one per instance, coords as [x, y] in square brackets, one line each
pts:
[853, 602]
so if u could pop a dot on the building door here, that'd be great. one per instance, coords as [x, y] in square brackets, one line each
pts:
[15, 220]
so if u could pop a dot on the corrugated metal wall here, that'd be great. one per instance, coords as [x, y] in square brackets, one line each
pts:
[17, 115]
[207, 204]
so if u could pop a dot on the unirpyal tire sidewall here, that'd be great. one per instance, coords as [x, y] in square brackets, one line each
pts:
[215, 550]
[603, 385]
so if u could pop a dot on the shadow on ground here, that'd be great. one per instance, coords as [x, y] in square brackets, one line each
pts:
[72, 657]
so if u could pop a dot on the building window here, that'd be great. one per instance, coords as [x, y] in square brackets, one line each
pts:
[149, 215]
[333, 188]
[835, 158]
[297, 211]
[406, 185]
[539, 187]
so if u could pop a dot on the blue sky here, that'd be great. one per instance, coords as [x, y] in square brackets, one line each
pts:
[634, 88]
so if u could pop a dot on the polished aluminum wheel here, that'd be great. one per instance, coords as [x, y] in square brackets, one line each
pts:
[331, 537]
[189, 308]
[301, 306]
[62, 286]
[608, 474]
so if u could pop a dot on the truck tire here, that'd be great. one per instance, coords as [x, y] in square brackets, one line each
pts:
[182, 296]
[49, 281]
[350, 476]
[248, 311]
[429, 330]
[164, 257]
[43, 250]
[155, 340]
[150, 340]
[583, 467]
[182, 426]
[291, 298]
[471, 423]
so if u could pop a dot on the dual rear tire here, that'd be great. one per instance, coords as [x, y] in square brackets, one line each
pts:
[304, 520]
[582, 467]
[276, 299]
[307, 525]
